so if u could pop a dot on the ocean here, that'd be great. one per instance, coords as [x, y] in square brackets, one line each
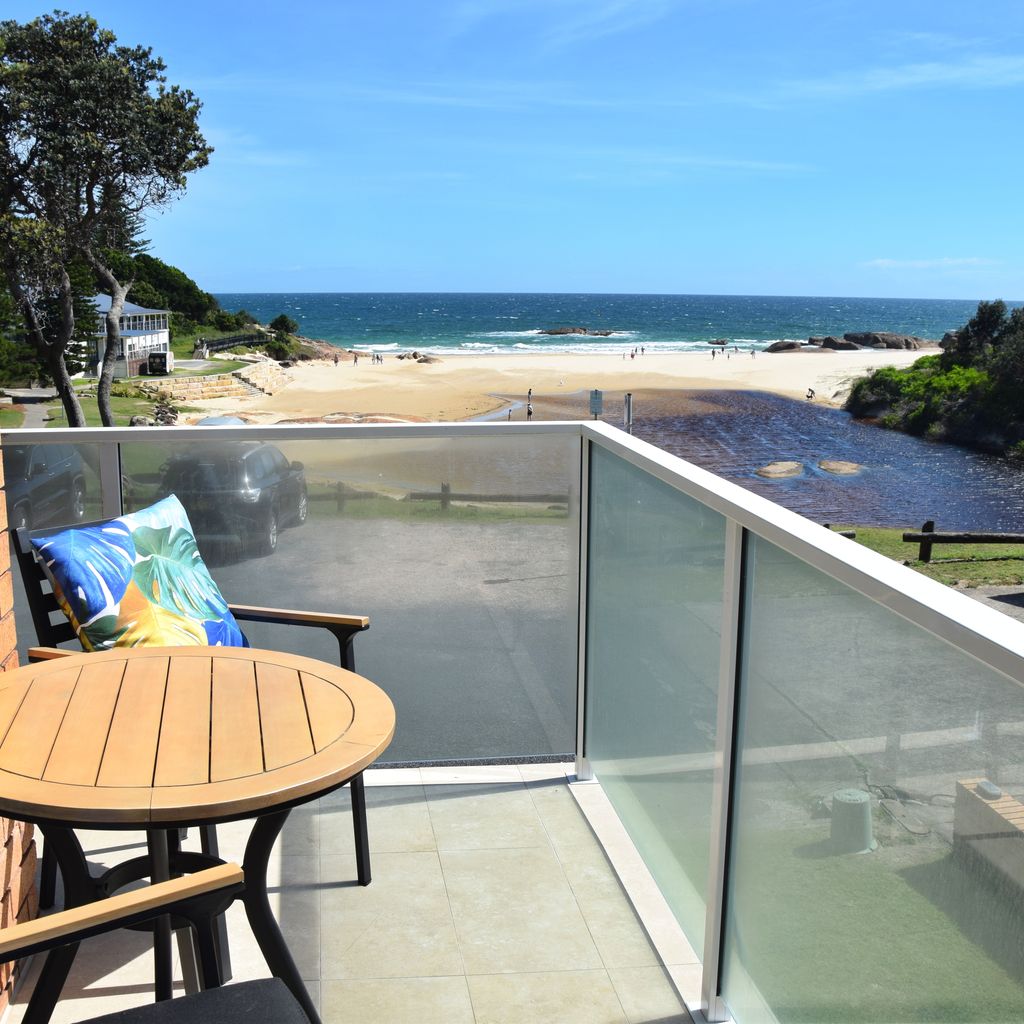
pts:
[477, 323]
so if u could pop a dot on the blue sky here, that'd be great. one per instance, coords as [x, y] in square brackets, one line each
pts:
[827, 147]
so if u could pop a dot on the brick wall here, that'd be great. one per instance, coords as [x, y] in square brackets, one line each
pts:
[19, 898]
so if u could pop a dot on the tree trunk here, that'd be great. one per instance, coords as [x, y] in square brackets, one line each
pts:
[118, 294]
[52, 351]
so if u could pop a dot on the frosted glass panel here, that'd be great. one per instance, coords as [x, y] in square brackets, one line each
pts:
[874, 876]
[463, 551]
[654, 623]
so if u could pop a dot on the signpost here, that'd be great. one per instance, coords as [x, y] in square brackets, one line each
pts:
[627, 412]
[596, 402]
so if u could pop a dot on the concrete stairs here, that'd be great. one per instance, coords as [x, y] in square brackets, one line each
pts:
[264, 378]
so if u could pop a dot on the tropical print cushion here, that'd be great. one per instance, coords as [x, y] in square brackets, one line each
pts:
[137, 581]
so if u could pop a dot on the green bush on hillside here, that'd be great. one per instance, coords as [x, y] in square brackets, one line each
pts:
[969, 394]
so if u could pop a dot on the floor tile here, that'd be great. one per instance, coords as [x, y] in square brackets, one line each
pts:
[483, 817]
[589, 872]
[397, 820]
[617, 932]
[396, 1001]
[514, 911]
[398, 926]
[568, 997]
[561, 814]
[647, 994]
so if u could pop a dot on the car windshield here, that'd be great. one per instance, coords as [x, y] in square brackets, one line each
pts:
[206, 473]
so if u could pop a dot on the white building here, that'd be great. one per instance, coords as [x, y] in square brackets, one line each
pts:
[142, 331]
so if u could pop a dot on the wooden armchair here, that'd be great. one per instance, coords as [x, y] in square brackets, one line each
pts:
[53, 629]
[198, 899]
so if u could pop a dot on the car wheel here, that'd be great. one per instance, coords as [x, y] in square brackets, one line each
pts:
[19, 518]
[302, 512]
[78, 501]
[268, 535]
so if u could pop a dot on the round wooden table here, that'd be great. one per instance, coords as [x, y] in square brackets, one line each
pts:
[159, 738]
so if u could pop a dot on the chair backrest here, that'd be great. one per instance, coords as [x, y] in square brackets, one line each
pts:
[51, 624]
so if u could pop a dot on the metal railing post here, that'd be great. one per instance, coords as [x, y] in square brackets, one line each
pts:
[111, 480]
[712, 1005]
[583, 769]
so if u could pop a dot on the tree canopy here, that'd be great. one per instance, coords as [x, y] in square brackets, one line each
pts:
[91, 137]
[972, 393]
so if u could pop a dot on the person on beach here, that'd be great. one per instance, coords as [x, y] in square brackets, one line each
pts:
[529, 410]
[335, 358]
[810, 394]
[714, 352]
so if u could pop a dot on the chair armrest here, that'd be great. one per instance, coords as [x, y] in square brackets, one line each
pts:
[342, 627]
[328, 620]
[119, 911]
[48, 653]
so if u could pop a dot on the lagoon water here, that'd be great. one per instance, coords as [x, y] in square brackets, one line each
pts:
[905, 480]
[476, 323]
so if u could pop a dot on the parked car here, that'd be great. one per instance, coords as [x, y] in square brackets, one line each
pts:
[243, 492]
[45, 485]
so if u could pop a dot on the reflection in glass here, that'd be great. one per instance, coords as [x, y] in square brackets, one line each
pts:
[462, 550]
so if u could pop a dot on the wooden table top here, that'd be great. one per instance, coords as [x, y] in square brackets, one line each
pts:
[156, 735]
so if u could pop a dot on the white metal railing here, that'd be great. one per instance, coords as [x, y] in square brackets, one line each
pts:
[984, 634]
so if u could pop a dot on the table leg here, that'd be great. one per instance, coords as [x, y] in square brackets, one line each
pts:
[160, 871]
[210, 846]
[257, 908]
[79, 888]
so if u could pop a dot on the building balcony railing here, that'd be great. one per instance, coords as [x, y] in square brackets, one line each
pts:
[790, 728]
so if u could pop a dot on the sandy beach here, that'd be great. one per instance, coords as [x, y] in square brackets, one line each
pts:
[463, 387]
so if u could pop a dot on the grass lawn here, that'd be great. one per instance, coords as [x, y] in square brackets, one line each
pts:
[182, 345]
[122, 408]
[219, 366]
[904, 934]
[11, 416]
[1000, 564]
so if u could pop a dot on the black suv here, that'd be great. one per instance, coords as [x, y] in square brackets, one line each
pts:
[242, 492]
[45, 485]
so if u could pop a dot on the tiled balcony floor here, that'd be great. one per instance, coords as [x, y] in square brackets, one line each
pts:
[492, 901]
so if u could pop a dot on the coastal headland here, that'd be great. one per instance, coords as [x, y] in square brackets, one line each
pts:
[465, 387]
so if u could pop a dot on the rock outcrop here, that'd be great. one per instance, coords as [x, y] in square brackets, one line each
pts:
[840, 468]
[777, 470]
[843, 344]
[886, 339]
[784, 346]
[576, 330]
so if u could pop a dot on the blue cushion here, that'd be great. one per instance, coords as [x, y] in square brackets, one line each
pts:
[137, 580]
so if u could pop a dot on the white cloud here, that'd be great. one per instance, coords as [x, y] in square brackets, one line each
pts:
[937, 263]
[977, 72]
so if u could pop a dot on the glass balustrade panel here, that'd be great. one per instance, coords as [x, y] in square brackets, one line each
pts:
[877, 867]
[654, 612]
[462, 550]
